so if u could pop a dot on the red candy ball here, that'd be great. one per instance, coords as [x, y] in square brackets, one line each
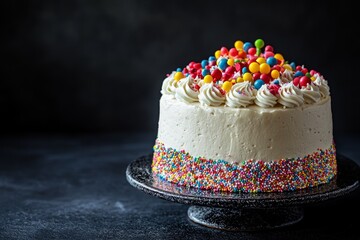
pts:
[233, 52]
[298, 68]
[296, 81]
[312, 72]
[304, 81]
[252, 51]
[256, 76]
[269, 48]
[197, 65]
[265, 78]
[216, 74]
[276, 67]
[304, 70]
[224, 51]
[268, 54]
[242, 55]
[230, 70]
[226, 76]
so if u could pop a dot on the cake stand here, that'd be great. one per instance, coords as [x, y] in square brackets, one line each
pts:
[243, 211]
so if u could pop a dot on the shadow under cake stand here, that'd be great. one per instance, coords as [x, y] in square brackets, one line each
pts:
[243, 211]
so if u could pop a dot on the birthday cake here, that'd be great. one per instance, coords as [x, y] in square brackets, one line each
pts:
[245, 120]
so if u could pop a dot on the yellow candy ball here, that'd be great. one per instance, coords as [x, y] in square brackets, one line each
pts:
[313, 78]
[278, 56]
[178, 76]
[239, 79]
[217, 54]
[275, 74]
[233, 81]
[254, 67]
[208, 79]
[287, 66]
[247, 77]
[238, 45]
[230, 62]
[265, 68]
[226, 86]
[261, 60]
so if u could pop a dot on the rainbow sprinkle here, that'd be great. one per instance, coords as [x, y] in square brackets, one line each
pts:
[250, 176]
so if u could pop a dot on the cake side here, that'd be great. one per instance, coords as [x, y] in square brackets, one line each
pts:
[239, 134]
[179, 167]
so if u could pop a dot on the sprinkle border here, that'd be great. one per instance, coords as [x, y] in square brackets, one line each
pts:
[251, 176]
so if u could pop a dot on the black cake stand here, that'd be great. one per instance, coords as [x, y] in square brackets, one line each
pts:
[243, 211]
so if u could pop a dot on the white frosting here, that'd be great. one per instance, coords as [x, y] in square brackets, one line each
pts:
[286, 76]
[238, 134]
[290, 96]
[210, 95]
[169, 85]
[241, 95]
[311, 93]
[323, 85]
[264, 98]
[185, 91]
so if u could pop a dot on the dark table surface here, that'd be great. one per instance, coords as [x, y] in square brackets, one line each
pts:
[74, 187]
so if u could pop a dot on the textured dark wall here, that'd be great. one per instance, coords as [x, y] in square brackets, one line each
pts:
[84, 66]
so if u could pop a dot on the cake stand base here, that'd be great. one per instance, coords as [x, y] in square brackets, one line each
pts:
[245, 219]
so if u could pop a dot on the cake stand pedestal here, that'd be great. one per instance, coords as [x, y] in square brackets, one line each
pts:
[243, 211]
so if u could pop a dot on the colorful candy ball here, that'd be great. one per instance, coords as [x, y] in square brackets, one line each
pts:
[226, 86]
[265, 68]
[258, 83]
[259, 43]
[254, 67]
[178, 76]
[304, 81]
[247, 77]
[208, 79]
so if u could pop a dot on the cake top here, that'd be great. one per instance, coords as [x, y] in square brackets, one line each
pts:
[244, 75]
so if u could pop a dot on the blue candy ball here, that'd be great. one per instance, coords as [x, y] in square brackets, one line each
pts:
[298, 74]
[244, 70]
[204, 63]
[212, 58]
[222, 64]
[179, 70]
[293, 65]
[247, 45]
[271, 61]
[258, 83]
[277, 82]
[205, 72]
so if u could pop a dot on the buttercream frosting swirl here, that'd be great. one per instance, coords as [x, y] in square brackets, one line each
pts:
[185, 91]
[169, 85]
[323, 86]
[311, 93]
[210, 95]
[290, 96]
[287, 76]
[264, 98]
[241, 95]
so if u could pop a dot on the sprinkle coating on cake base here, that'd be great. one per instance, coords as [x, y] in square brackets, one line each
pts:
[250, 176]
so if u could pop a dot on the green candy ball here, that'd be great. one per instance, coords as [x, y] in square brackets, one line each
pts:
[259, 43]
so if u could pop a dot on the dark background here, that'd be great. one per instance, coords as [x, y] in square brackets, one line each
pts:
[79, 90]
[97, 66]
